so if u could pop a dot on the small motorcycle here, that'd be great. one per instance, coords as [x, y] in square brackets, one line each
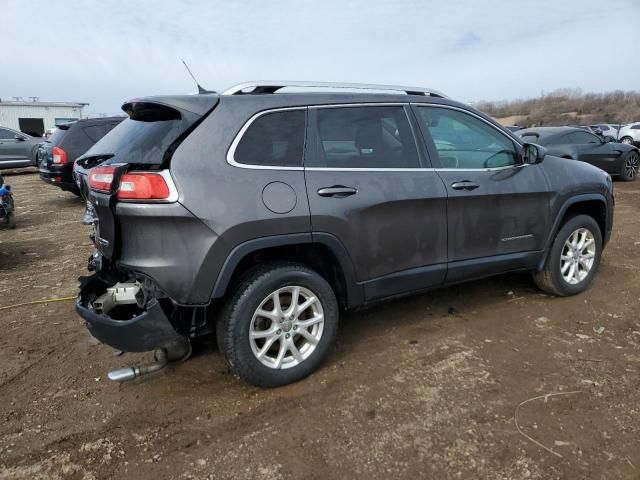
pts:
[7, 210]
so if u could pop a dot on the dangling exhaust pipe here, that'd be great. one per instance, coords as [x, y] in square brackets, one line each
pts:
[163, 356]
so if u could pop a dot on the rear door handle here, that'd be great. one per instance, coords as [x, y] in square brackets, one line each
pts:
[464, 185]
[338, 191]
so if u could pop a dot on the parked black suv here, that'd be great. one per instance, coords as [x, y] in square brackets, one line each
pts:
[263, 214]
[56, 156]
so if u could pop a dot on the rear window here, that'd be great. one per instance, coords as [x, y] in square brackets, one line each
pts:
[274, 139]
[58, 134]
[136, 141]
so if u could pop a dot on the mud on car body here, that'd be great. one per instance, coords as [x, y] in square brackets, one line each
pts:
[259, 215]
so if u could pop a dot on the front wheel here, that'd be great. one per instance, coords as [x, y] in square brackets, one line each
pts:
[279, 325]
[627, 140]
[630, 166]
[574, 258]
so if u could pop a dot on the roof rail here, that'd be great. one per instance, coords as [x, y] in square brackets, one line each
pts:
[261, 86]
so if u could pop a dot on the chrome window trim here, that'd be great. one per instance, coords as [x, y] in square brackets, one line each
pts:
[232, 149]
[329, 169]
[231, 152]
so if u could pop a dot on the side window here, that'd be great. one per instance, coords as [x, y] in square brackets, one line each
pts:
[636, 126]
[95, 132]
[364, 137]
[583, 137]
[465, 142]
[6, 134]
[530, 137]
[273, 139]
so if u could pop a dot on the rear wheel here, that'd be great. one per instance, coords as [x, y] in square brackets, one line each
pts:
[11, 220]
[279, 325]
[630, 167]
[574, 258]
[627, 140]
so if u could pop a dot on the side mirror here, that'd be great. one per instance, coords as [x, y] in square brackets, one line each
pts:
[20, 138]
[533, 153]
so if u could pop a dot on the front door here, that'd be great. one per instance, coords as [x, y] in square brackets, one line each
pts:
[498, 207]
[593, 150]
[367, 186]
[14, 149]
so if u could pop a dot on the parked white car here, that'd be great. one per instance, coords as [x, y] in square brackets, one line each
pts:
[609, 131]
[630, 134]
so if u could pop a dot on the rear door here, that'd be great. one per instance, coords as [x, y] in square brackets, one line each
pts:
[367, 186]
[498, 207]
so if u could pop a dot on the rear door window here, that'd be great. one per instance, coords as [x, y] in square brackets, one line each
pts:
[274, 139]
[364, 137]
[583, 137]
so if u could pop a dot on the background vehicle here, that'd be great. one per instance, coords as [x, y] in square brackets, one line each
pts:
[49, 132]
[608, 132]
[7, 210]
[577, 144]
[630, 134]
[17, 149]
[261, 214]
[57, 154]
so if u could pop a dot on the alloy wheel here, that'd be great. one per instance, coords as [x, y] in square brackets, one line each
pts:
[578, 256]
[286, 327]
[631, 165]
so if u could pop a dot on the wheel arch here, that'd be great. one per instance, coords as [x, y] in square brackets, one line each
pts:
[322, 252]
[593, 205]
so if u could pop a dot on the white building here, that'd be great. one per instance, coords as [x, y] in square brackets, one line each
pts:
[36, 117]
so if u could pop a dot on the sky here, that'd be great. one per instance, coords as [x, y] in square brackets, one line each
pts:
[106, 52]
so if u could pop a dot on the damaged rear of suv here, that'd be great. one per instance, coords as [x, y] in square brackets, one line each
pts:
[142, 234]
[259, 215]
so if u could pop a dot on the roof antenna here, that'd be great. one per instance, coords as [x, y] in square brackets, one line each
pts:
[200, 89]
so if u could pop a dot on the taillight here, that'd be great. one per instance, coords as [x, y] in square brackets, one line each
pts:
[101, 178]
[59, 156]
[143, 186]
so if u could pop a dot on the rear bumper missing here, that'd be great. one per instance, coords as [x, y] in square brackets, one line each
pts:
[148, 329]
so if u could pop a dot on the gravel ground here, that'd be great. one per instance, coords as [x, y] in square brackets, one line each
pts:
[425, 387]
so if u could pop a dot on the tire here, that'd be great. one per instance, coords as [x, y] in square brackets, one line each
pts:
[630, 166]
[551, 278]
[240, 316]
[627, 140]
[11, 220]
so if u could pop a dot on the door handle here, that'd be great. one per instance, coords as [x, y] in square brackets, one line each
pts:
[337, 191]
[464, 185]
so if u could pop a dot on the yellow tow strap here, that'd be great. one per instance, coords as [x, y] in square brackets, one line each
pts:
[36, 302]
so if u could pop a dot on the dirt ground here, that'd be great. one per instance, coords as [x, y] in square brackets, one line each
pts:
[425, 387]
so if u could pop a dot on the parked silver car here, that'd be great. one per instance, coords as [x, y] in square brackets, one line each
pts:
[630, 134]
[17, 149]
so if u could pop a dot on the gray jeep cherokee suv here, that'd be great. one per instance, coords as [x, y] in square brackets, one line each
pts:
[260, 215]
